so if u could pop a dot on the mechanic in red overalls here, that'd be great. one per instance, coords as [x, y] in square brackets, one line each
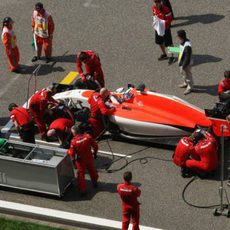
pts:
[39, 102]
[98, 111]
[23, 122]
[207, 150]
[92, 66]
[183, 150]
[9, 42]
[81, 152]
[60, 127]
[224, 87]
[130, 204]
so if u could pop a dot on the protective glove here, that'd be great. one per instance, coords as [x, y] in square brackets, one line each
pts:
[83, 78]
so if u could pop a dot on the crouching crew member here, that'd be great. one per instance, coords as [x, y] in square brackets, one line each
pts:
[92, 66]
[183, 150]
[23, 122]
[39, 102]
[98, 110]
[207, 150]
[81, 152]
[224, 87]
[9, 41]
[196, 154]
[130, 204]
[61, 128]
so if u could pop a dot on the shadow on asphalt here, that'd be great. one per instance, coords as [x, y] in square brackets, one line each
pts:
[72, 193]
[208, 89]
[71, 58]
[4, 120]
[199, 59]
[193, 19]
[44, 70]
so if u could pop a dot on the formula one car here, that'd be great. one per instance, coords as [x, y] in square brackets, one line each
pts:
[144, 115]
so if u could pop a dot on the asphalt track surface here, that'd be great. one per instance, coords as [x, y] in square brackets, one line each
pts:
[120, 31]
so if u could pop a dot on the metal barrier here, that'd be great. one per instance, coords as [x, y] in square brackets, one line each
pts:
[35, 168]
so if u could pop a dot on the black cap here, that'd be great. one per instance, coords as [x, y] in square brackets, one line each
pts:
[181, 34]
[227, 74]
[83, 56]
[198, 134]
[7, 20]
[11, 106]
[38, 6]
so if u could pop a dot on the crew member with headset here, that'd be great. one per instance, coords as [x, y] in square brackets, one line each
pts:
[23, 122]
[224, 87]
[9, 42]
[98, 111]
[92, 66]
[206, 149]
[196, 154]
[81, 152]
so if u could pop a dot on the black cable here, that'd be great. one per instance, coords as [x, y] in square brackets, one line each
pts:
[142, 160]
[193, 205]
[121, 158]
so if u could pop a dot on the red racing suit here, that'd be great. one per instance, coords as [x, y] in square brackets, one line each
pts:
[182, 152]
[207, 150]
[223, 86]
[163, 14]
[80, 150]
[37, 106]
[97, 111]
[130, 205]
[24, 123]
[61, 124]
[92, 66]
[43, 28]
[12, 51]
[62, 127]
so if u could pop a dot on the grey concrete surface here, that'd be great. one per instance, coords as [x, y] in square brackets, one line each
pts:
[120, 31]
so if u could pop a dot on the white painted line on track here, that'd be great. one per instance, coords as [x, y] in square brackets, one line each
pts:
[62, 216]
[88, 3]
[115, 154]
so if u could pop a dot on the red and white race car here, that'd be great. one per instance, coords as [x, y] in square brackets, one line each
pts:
[145, 115]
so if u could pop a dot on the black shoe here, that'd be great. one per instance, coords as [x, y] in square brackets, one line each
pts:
[187, 173]
[17, 70]
[171, 60]
[95, 184]
[48, 60]
[35, 58]
[83, 194]
[163, 57]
